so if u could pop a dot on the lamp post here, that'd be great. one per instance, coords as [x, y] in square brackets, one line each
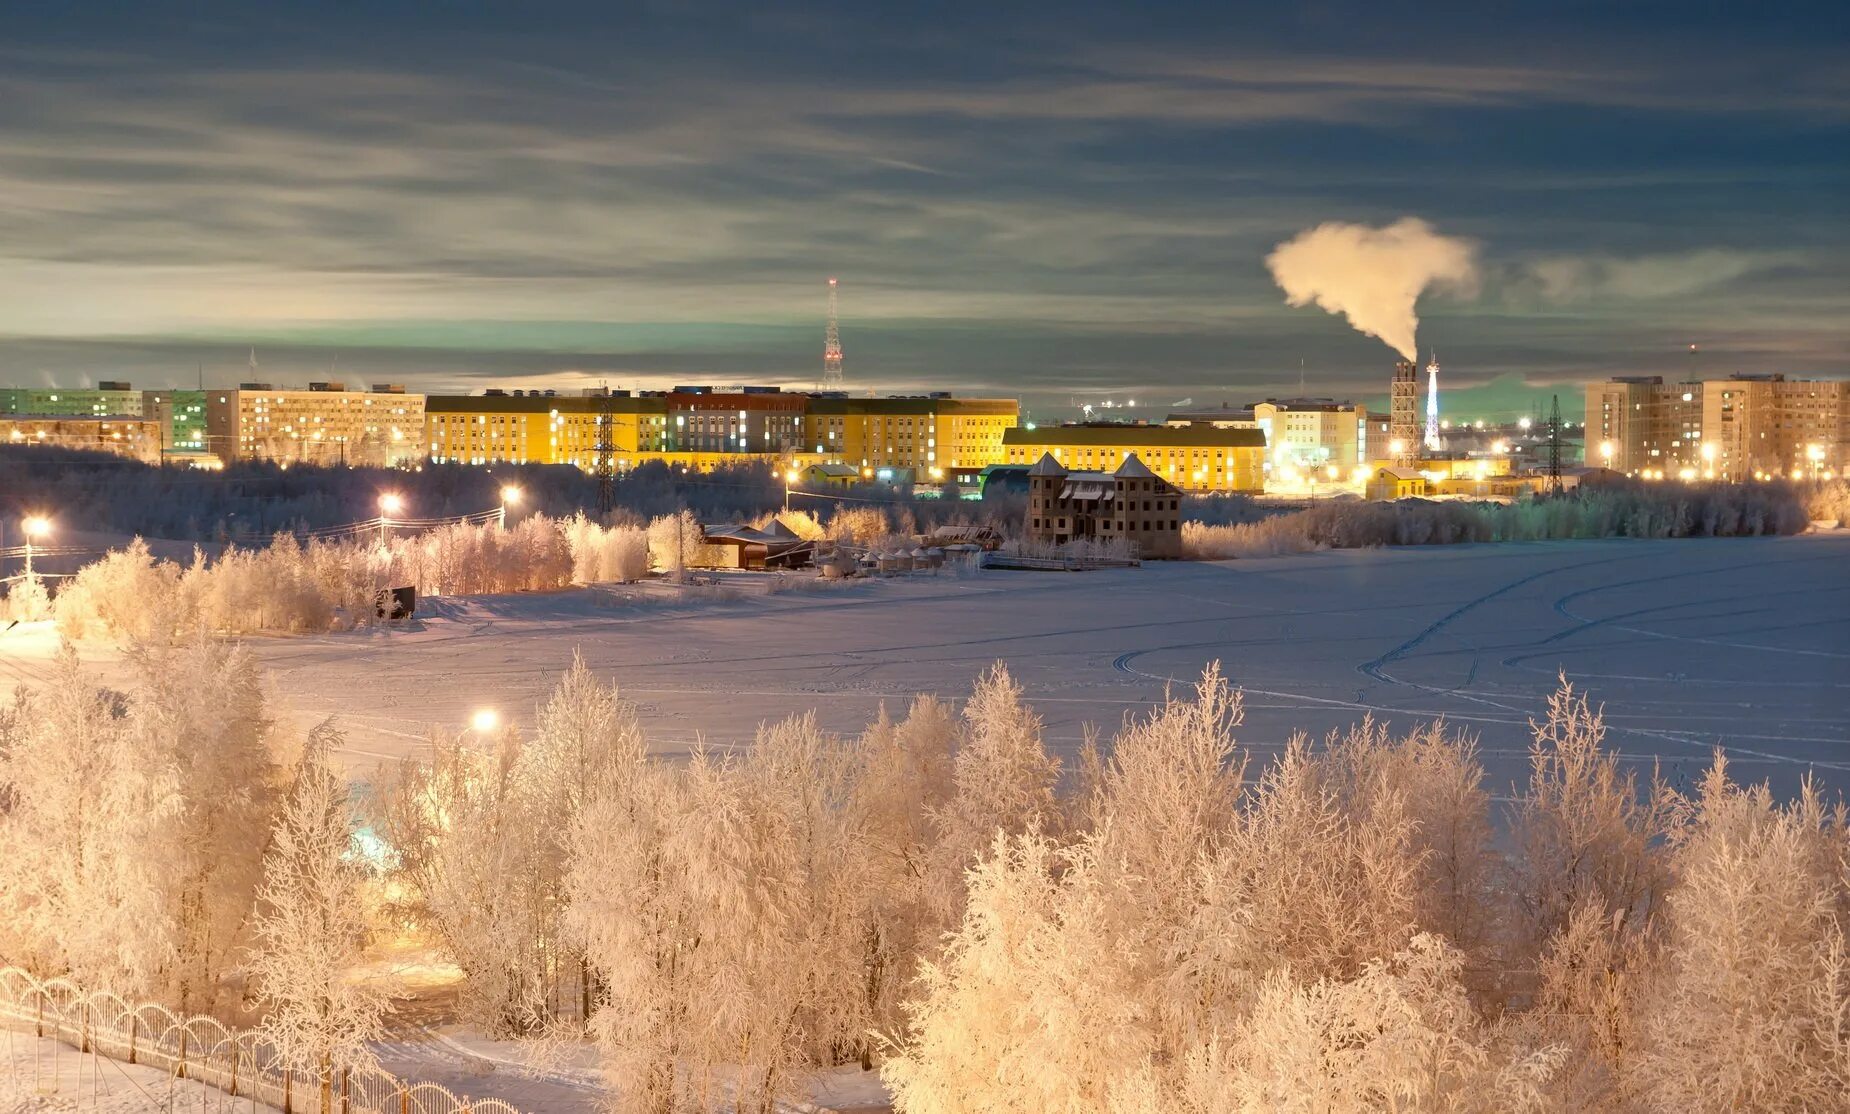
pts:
[389, 504]
[37, 526]
[790, 477]
[510, 496]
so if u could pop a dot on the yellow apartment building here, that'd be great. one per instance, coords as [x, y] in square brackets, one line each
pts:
[535, 427]
[325, 424]
[1195, 458]
[929, 434]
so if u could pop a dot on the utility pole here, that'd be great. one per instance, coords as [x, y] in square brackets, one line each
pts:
[606, 448]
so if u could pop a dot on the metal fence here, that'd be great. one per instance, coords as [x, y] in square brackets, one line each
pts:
[202, 1049]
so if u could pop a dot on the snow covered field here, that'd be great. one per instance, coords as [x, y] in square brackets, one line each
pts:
[43, 1075]
[1690, 643]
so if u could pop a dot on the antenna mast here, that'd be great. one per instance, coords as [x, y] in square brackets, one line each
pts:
[831, 348]
[1432, 404]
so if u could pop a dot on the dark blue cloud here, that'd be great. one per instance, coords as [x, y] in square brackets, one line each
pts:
[1042, 199]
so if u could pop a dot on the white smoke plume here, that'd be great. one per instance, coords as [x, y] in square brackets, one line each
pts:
[1373, 276]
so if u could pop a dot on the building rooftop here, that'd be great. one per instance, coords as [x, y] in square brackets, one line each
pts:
[1152, 436]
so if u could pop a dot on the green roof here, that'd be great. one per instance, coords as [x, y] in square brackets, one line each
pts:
[1136, 436]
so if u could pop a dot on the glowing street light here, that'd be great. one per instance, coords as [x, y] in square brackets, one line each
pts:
[1522, 423]
[34, 526]
[510, 496]
[1605, 451]
[485, 720]
[389, 504]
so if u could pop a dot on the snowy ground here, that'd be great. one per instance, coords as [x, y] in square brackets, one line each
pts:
[1690, 643]
[43, 1075]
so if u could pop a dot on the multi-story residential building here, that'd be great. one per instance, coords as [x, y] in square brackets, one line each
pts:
[931, 435]
[1129, 503]
[325, 424]
[1193, 458]
[182, 414]
[1302, 435]
[1741, 427]
[742, 420]
[1305, 435]
[542, 427]
[106, 398]
[129, 436]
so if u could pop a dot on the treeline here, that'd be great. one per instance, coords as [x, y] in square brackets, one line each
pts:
[256, 499]
[1340, 928]
[1170, 925]
[1629, 510]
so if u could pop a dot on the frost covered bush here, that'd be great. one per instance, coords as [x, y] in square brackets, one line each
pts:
[606, 553]
[26, 600]
[1617, 510]
[289, 586]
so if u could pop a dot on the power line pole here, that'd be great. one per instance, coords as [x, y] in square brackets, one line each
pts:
[1554, 447]
[606, 448]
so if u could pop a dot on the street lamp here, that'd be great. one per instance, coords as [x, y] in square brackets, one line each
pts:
[389, 504]
[1815, 454]
[1708, 460]
[36, 526]
[510, 496]
[485, 720]
[790, 477]
[1605, 452]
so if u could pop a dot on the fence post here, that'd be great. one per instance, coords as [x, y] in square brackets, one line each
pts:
[345, 1076]
[134, 1027]
[182, 1067]
[237, 1054]
[288, 1089]
[39, 1021]
[404, 1099]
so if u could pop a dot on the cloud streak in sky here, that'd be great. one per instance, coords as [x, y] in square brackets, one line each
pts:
[1056, 205]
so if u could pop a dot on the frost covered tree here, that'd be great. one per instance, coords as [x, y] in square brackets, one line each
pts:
[86, 837]
[311, 926]
[1750, 1009]
[198, 713]
[1400, 1035]
[482, 838]
[1586, 836]
[1002, 780]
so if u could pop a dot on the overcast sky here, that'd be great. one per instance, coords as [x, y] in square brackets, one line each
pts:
[1055, 201]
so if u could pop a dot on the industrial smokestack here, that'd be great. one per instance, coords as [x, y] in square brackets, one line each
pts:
[1373, 276]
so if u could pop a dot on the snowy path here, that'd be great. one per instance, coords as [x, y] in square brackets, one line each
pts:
[1690, 643]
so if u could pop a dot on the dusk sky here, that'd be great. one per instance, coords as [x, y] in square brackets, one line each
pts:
[1054, 201]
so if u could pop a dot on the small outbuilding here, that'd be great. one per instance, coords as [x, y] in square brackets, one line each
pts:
[747, 547]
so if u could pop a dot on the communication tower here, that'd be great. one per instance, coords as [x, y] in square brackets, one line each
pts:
[1432, 404]
[831, 348]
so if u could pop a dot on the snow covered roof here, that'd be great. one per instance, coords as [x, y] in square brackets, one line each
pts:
[1047, 466]
[1089, 486]
[835, 469]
